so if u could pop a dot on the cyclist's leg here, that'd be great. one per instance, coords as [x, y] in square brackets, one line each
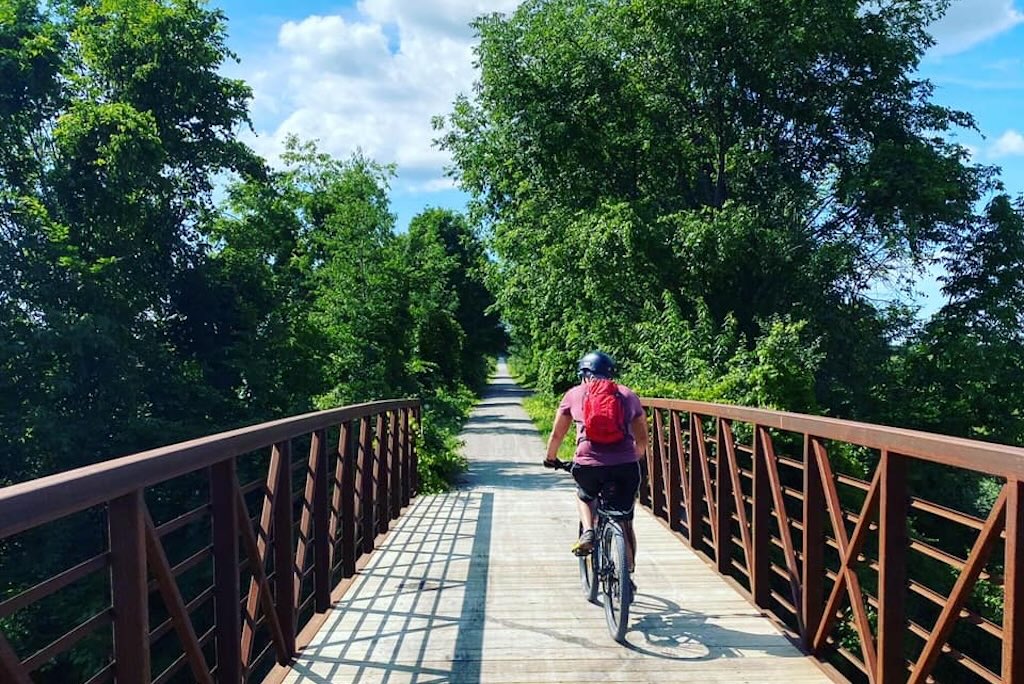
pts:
[588, 512]
[587, 488]
[620, 492]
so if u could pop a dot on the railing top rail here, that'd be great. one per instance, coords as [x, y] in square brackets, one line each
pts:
[37, 502]
[993, 459]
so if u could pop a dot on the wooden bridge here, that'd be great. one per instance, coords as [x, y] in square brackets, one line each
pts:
[307, 557]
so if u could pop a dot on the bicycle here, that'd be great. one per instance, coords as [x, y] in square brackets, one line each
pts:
[608, 564]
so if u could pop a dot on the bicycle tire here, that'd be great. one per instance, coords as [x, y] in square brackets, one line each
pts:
[588, 564]
[615, 584]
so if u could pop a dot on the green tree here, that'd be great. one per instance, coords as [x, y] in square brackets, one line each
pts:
[456, 327]
[963, 374]
[762, 158]
[114, 118]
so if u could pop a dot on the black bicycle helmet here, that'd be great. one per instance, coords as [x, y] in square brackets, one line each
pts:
[597, 363]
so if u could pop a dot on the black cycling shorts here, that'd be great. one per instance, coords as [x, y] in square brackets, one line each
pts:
[618, 485]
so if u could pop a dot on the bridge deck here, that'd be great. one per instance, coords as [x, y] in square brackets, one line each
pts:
[478, 586]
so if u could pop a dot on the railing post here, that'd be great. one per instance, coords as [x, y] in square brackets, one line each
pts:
[646, 493]
[723, 497]
[760, 580]
[675, 483]
[1013, 585]
[406, 459]
[366, 484]
[347, 502]
[696, 500]
[415, 447]
[127, 525]
[381, 475]
[813, 572]
[395, 482]
[893, 546]
[226, 590]
[321, 526]
[285, 575]
[657, 465]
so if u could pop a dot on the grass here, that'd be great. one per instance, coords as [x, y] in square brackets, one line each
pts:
[541, 409]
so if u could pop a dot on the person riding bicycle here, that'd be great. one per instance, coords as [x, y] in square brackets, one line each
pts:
[611, 439]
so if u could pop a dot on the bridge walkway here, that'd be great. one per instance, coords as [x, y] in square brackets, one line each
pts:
[477, 585]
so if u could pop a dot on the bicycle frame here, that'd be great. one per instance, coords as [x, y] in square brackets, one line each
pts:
[605, 569]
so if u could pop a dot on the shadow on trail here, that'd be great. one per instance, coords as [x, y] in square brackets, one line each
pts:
[663, 629]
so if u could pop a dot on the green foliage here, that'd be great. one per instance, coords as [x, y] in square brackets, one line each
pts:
[440, 459]
[134, 312]
[756, 164]
[540, 408]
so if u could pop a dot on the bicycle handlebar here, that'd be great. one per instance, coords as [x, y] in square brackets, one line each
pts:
[558, 464]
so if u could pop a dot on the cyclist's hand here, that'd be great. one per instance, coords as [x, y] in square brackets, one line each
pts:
[550, 463]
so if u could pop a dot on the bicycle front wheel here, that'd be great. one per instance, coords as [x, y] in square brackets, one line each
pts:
[615, 586]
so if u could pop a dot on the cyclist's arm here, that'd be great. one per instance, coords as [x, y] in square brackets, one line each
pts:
[558, 431]
[639, 430]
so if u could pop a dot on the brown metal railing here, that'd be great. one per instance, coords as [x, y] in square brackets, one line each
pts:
[847, 563]
[235, 618]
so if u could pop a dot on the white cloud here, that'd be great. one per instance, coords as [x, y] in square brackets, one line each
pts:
[969, 22]
[1009, 144]
[372, 81]
[331, 43]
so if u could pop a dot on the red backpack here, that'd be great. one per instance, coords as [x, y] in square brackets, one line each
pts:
[602, 413]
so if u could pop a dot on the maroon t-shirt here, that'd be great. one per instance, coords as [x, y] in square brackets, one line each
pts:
[588, 453]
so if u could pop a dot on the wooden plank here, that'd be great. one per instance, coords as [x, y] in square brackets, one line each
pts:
[128, 587]
[225, 571]
[1013, 585]
[175, 604]
[893, 546]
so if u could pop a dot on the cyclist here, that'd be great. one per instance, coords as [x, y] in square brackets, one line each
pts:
[607, 461]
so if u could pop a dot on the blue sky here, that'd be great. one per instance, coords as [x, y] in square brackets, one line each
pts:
[369, 74]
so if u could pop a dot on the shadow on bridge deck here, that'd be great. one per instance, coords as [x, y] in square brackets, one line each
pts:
[477, 586]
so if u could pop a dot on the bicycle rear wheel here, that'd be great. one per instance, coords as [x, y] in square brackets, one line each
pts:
[588, 574]
[615, 584]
